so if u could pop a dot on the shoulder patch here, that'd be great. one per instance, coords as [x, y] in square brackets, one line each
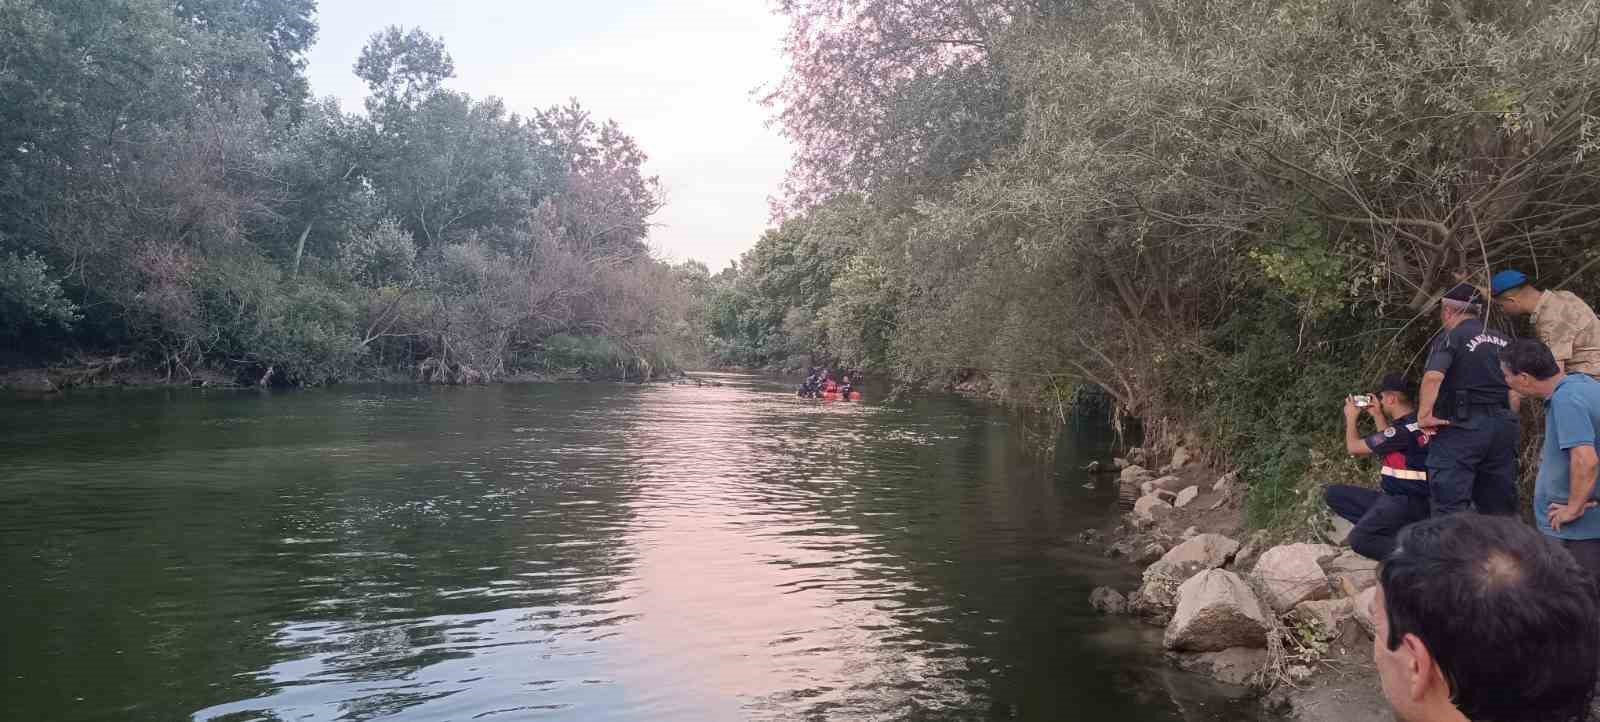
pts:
[1389, 432]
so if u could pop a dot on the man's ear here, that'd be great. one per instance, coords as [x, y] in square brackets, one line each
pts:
[1424, 678]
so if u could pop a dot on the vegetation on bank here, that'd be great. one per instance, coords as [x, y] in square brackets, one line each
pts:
[171, 193]
[1225, 214]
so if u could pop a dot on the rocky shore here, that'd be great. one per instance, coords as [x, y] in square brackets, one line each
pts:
[1287, 618]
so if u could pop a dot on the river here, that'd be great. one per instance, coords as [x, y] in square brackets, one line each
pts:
[558, 551]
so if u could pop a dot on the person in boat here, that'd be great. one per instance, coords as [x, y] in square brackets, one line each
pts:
[829, 386]
[845, 388]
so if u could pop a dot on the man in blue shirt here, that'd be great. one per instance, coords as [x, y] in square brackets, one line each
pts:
[1563, 494]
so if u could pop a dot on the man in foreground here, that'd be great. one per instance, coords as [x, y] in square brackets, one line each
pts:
[1564, 492]
[1480, 618]
[1563, 321]
[1472, 461]
[1402, 494]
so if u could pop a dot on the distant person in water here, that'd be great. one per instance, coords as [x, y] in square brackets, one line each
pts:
[1480, 618]
[1402, 494]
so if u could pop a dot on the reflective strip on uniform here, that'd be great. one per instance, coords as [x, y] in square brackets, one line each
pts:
[1404, 474]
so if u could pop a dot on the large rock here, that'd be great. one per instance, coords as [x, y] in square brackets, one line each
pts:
[1326, 614]
[1180, 457]
[1290, 574]
[1185, 497]
[1207, 550]
[1150, 508]
[1170, 482]
[1363, 610]
[1352, 571]
[1239, 666]
[1225, 484]
[1106, 600]
[1158, 593]
[1337, 532]
[1134, 474]
[1216, 610]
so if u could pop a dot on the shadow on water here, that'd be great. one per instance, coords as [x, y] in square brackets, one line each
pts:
[593, 552]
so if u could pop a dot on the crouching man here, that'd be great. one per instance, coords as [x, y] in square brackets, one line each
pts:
[1402, 496]
[1480, 618]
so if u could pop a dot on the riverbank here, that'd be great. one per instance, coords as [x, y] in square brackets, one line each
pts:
[121, 372]
[1285, 617]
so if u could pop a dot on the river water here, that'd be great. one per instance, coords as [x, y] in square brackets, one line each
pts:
[570, 552]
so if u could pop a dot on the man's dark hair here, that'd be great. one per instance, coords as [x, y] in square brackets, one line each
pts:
[1529, 356]
[1510, 618]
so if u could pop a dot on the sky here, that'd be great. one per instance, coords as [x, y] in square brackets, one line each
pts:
[678, 75]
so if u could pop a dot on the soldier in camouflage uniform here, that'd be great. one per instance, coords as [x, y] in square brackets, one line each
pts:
[1563, 321]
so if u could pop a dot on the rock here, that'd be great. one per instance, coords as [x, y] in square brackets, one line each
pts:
[1339, 533]
[1208, 551]
[1119, 463]
[1150, 508]
[1133, 473]
[1159, 589]
[1290, 574]
[1216, 610]
[1146, 488]
[1167, 496]
[1149, 554]
[1180, 457]
[1191, 533]
[1090, 537]
[1106, 600]
[1224, 485]
[1351, 570]
[1363, 610]
[1326, 614]
[1136, 455]
[1169, 482]
[1185, 497]
[1215, 505]
[1238, 666]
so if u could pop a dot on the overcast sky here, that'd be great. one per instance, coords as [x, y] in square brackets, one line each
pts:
[676, 74]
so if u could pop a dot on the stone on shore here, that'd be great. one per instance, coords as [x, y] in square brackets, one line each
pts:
[1290, 574]
[1149, 554]
[1106, 600]
[1134, 474]
[1224, 485]
[1170, 482]
[1180, 457]
[1149, 509]
[1338, 533]
[1352, 570]
[1119, 463]
[1216, 610]
[1363, 610]
[1185, 497]
[1158, 592]
[1326, 614]
[1209, 551]
[1238, 666]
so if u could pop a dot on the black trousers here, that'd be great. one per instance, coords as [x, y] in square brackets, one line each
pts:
[1587, 552]
[1473, 463]
[1378, 517]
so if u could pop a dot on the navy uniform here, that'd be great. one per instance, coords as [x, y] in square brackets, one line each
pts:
[1379, 516]
[1473, 460]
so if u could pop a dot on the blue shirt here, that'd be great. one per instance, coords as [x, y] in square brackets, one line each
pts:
[1571, 418]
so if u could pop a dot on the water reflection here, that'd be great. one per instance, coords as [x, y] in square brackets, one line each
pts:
[561, 552]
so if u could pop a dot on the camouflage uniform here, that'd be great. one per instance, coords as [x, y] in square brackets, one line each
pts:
[1568, 326]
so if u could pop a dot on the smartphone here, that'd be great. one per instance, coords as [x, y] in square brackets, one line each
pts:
[1361, 400]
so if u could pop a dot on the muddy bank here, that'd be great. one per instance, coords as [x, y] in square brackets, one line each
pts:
[1284, 618]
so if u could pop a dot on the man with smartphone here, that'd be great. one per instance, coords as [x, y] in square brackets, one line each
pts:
[1402, 495]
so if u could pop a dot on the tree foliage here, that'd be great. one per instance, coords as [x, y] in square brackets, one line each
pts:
[1178, 203]
[169, 190]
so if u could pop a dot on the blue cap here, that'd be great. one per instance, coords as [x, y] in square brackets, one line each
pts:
[1506, 280]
